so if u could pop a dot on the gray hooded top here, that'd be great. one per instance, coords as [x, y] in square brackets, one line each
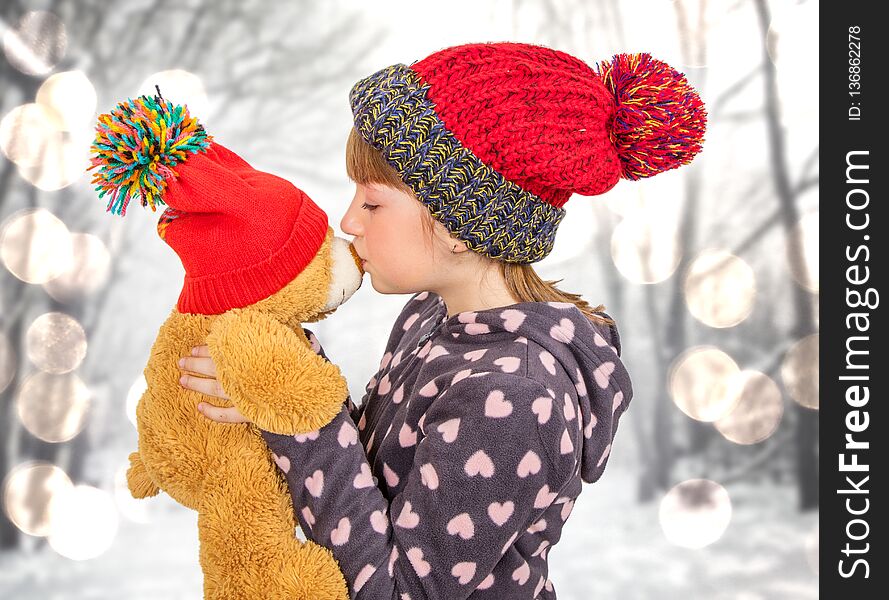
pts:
[456, 474]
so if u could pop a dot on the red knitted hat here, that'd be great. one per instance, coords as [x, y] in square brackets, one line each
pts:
[241, 234]
[494, 138]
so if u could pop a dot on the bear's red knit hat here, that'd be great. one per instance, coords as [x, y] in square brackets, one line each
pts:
[241, 234]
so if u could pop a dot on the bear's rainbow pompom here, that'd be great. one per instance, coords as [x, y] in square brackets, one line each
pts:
[659, 120]
[136, 147]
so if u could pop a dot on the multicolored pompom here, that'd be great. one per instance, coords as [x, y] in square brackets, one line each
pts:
[660, 120]
[136, 147]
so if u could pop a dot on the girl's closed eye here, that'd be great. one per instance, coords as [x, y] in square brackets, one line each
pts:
[370, 207]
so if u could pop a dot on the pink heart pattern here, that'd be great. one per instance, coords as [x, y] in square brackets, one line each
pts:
[308, 516]
[409, 322]
[512, 319]
[398, 396]
[390, 476]
[568, 409]
[603, 373]
[429, 390]
[500, 382]
[429, 476]
[542, 407]
[449, 430]
[479, 464]
[509, 364]
[474, 355]
[477, 328]
[548, 361]
[500, 512]
[379, 521]
[461, 375]
[421, 567]
[305, 437]
[544, 497]
[283, 462]
[464, 572]
[407, 437]
[407, 519]
[384, 386]
[364, 479]
[529, 465]
[436, 352]
[340, 535]
[347, 436]
[496, 406]
[461, 525]
[563, 332]
[315, 483]
[521, 574]
[362, 577]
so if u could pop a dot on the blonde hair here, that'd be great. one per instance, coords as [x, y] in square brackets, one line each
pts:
[365, 164]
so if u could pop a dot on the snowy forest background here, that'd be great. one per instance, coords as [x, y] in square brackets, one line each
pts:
[711, 272]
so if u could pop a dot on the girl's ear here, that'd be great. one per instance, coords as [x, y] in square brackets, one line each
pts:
[457, 246]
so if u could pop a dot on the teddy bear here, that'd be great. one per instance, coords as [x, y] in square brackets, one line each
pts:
[260, 260]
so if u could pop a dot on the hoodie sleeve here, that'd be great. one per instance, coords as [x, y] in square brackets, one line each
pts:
[354, 411]
[482, 474]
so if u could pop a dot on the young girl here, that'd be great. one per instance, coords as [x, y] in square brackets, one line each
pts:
[497, 394]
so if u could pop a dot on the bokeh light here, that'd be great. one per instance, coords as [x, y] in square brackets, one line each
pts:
[806, 235]
[644, 250]
[136, 390]
[36, 43]
[83, 522]
[720, 288]
[73, 98]
[701, 381]
[800, 371]
[35, 245]
[49, 140]
[8, 362]
[180, 87]
[62, 165]
[53, 407]
[758, 410]
[137, 510]
[89, 270]
[695, 513]
[56, 343]
[27, 492]
[29, 132]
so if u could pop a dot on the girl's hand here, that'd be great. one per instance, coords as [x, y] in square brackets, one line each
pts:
[200, 362]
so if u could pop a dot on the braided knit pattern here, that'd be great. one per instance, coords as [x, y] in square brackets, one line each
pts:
[477, 204]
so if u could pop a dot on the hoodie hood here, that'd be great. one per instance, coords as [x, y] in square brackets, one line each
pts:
[589, 353]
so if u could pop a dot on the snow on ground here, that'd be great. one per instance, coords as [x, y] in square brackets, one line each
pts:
[612, 548]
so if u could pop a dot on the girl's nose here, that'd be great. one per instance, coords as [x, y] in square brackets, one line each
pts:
[348, 224]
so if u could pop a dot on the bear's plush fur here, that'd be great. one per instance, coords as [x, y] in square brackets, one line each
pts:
[265, 364]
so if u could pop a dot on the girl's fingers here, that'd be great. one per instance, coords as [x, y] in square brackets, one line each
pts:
[222, 415]
[210, 387]
[203, 366]
[201, 350]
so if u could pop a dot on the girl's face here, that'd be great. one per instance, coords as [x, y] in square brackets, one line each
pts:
[389, 235]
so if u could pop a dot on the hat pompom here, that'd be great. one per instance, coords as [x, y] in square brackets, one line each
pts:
[660, 119]
[136, 147]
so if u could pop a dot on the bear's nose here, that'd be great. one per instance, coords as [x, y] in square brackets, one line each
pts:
[356, 258]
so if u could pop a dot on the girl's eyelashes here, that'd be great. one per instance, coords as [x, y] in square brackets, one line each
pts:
[370, 207]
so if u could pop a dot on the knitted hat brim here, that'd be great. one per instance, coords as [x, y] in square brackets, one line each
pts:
[490, 214]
